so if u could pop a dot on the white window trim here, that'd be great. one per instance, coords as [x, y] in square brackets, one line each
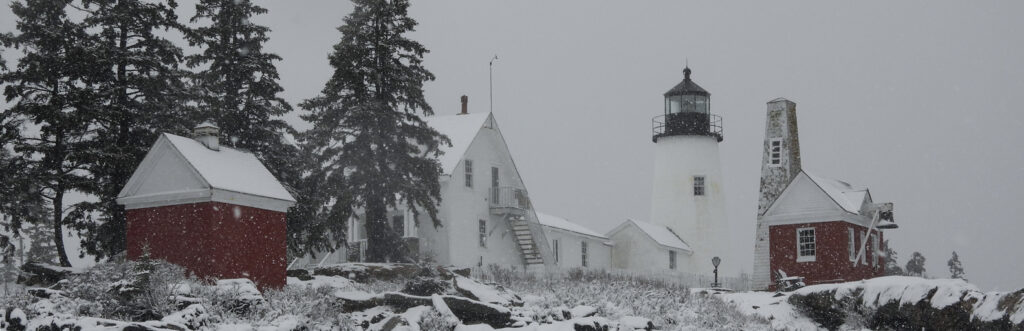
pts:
[809, 258]
[852, 244]
[770, 158]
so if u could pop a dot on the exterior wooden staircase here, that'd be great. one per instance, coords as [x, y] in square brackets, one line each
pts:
[514, 206]
[525, 240]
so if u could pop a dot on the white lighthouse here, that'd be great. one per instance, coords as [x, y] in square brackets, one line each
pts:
[688, 196]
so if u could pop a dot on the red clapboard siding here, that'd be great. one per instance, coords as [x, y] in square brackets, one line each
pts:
[210, 241]
[832, 262]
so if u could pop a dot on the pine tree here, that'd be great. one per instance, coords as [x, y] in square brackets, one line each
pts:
[892, 266]
[142, 93]
[51, 89]
[915, 267]
[956, 269]
[239, 84]
[372, 151]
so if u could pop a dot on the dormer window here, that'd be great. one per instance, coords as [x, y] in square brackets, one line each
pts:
[775, 152]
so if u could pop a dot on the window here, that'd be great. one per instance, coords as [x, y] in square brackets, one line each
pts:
[875, 248]
[554, 249]
[852, 244]
[469, 173]
[494, 177]
[483, 233]
[698, 185]
[398, 225]
[805, 245]
[583, 250]
[775, 152]
[672, 260]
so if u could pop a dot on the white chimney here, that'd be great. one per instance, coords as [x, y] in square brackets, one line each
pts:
[208, 134]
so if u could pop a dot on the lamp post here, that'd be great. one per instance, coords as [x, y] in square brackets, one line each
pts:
[715, 261]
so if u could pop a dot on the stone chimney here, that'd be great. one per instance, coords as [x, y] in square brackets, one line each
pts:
[208, 134]
[465, 105]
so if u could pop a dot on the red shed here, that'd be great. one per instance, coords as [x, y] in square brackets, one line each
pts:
[217, 211]
[818, 227]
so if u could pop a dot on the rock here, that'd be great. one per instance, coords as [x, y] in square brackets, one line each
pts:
[423, 286]
[362, 272]
[13, 319]
[492, 293]
[472, 311]
[405, 301]
[358, 300]
[635, 323]
[192, 317]
[45, 293]
[241, 293]
[301, 274]
[591, 324]
[908, 303]
[582, 311]
[37, 273]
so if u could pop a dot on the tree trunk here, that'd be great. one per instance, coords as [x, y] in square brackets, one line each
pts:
[58, 228]
[376, 230]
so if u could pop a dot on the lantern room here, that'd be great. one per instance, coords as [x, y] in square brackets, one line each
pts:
[687, 112]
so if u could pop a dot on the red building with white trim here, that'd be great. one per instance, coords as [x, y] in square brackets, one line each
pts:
[821, 229]
[818, 228]
[217, 211]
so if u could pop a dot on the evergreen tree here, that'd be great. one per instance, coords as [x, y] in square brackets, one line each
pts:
[956, 269]
[141, 93]
[915, 267]
[239, 84]
[892, 266]
[51, 89]
[372, 151]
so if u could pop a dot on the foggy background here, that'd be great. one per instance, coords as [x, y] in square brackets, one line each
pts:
[917, 100]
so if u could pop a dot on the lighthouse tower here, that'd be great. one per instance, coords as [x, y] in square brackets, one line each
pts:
[687, 195]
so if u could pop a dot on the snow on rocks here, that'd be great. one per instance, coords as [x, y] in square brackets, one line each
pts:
[487, 293]
[582, 311]
[13, 319]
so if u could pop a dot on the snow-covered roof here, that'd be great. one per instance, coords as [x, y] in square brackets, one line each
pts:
[660, 233]
[230, 169]
[847, 196]
[564, 224]
[460, 129]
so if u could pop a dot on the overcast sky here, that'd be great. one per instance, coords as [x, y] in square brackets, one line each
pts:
[917, 100]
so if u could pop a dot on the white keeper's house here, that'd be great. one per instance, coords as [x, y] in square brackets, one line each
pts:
[485, 208]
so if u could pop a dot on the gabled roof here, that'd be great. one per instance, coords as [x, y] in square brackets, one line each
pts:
[659, 233]
[460, 129]
[564, 224]
[230, 169]
[847, 196]
[179, 170]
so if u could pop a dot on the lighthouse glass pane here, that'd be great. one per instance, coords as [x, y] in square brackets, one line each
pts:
[702, 104]
[673, 104]
[689, 103]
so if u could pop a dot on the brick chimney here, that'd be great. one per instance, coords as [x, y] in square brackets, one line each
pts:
[465, 105]
[208, 134]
